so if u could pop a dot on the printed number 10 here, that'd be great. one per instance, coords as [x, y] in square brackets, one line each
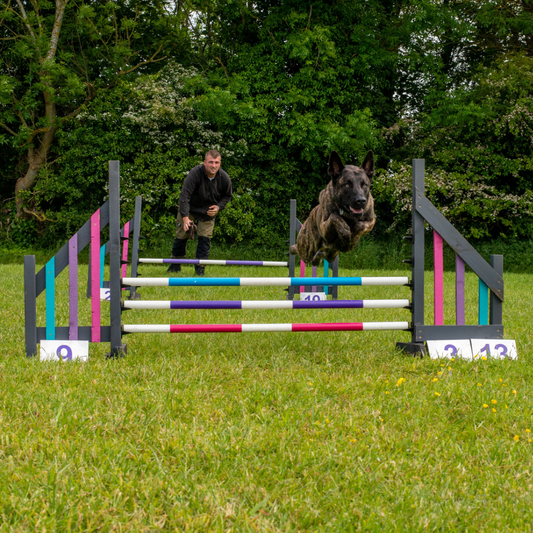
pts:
[314, 298]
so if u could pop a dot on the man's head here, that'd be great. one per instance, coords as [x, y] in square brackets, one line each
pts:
[212, 163]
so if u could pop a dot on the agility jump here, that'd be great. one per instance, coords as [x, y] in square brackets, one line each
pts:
[490, 276]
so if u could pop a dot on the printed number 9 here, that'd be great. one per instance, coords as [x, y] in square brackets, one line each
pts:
[452, 348]
[68, 356]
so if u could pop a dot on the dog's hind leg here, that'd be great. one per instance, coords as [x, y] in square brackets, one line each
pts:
[318, 257]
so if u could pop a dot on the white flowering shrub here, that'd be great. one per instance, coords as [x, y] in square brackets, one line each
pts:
[476, 209]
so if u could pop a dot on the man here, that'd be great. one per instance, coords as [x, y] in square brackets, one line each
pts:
[205, 192]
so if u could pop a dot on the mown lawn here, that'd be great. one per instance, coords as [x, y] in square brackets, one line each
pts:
[265, 432]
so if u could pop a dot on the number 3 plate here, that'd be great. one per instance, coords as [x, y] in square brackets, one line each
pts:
[459, 349]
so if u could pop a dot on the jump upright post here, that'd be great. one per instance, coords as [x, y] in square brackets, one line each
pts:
[490, 277]
[45, 279]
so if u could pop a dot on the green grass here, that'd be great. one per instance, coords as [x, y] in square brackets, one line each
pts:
[265, 432]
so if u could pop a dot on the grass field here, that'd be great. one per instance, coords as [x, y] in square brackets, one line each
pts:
[265, 432]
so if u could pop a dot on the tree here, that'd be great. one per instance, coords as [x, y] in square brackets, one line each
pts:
[56, 57]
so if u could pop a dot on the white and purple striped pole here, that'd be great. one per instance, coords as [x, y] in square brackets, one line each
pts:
[220, 262]
[267, 304]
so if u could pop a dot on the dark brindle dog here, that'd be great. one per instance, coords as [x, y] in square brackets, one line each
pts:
[345, 212]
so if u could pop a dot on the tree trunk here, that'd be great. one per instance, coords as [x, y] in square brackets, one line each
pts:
[37, 157]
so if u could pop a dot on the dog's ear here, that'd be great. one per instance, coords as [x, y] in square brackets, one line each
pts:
[335, 165]
[368, 164]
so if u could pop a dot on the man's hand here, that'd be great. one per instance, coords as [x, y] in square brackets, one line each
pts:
[187, 224]
[213, 210]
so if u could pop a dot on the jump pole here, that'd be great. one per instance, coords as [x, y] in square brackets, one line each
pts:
[220, 262]
[267, 304]
[251, 328]
[263, 282]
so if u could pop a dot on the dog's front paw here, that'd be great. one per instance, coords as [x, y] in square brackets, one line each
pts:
[343, 230]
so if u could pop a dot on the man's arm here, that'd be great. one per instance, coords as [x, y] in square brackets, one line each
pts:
[227, 195]
[187, 191]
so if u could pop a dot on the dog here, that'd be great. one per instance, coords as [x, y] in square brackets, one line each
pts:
[344, 214]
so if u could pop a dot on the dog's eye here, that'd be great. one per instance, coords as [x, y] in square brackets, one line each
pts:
[347, 185]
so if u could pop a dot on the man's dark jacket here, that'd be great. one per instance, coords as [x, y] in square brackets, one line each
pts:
[199, 192]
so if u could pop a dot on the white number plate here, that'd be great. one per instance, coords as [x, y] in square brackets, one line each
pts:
[64, 350]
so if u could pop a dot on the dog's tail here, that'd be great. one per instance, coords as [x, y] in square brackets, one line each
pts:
[294, 249]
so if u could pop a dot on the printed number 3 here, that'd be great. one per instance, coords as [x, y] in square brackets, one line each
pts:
[68, 356]
[452, 348]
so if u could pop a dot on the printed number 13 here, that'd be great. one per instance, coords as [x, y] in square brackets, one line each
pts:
[502, 347]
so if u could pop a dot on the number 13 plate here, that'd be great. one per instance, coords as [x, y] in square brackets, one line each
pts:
[495, 348]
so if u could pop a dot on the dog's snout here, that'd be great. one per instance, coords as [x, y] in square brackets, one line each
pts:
[360, 203]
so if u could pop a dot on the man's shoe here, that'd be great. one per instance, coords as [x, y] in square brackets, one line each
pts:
[174, 268]
[200, 271]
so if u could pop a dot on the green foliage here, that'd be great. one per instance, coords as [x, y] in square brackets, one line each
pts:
[476, 209]
[275, 87]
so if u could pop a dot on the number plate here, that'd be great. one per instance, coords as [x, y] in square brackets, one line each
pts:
[459, 349]
[495, 348]
[64, 350]
[313, 296]
[105, 294]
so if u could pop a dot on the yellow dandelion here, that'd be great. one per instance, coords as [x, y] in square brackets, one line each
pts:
[400, 381]
[450, 368]
[493, 410]
[528, 431]
[516, 438]
[501, 380]
[435, 379]
[484, 358]
[439, 373]
[479, 384]
[352, 440]
[485, 405]
[327, 420]
[529, 440]
[452, 359]
[493, 401]
[386, 392]
[437, 394]
[514, 392]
